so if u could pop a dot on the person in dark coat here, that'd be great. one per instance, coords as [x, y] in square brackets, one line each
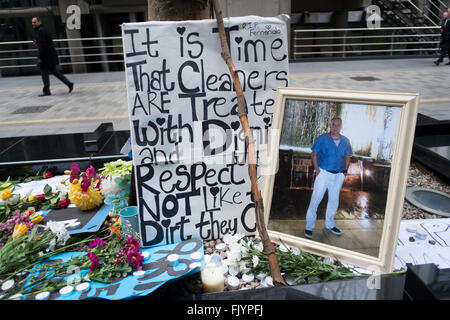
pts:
[445, 39]
[47, 57]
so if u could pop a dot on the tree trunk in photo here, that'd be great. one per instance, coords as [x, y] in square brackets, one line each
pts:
[177, 10]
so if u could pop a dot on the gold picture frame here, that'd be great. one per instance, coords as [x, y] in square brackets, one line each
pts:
[404, 106]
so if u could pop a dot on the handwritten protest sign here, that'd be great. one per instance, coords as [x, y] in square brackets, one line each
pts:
[187, 143]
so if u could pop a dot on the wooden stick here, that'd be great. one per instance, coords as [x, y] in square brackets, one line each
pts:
[242, 113]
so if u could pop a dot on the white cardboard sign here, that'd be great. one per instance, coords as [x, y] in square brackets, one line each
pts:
[188, 147]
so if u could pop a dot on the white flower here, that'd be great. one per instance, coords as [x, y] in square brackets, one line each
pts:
[234, 254]
[63, 189]
[108, 187]
[259, 246]
[255, 261]
[60, 231]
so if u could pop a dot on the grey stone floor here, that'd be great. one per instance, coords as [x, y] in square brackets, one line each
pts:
[101, 97]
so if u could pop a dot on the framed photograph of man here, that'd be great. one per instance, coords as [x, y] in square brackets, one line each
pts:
[339, 163]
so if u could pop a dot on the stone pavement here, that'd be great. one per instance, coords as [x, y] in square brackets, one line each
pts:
[101, 97]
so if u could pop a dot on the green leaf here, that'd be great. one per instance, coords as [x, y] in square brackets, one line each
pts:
[47, 190]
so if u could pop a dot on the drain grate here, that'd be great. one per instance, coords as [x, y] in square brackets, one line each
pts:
[365, 78]
[430, 200]
[31, 109]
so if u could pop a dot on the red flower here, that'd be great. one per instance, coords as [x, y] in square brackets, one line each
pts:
[40, 197]
[48, 174]
[63, 203]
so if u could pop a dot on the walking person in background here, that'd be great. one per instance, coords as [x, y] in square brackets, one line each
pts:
[330, 155]
[445, 38]
[47, 57]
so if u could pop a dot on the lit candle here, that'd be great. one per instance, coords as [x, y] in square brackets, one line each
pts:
[212, 275]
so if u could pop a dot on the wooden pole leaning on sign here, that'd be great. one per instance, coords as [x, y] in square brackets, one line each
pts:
[269, 249]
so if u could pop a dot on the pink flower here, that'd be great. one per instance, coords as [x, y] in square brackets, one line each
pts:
[63, 203]
[97, 242]
[90, 171]
[132, 242]
[94, 261]
[48, 174]
[85, 183]
[74, 172]
[135, 258]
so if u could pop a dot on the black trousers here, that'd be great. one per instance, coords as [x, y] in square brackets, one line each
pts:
[45, 73]
[445, 51]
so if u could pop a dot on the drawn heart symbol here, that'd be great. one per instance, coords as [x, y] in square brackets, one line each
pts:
[268, 27]
[214, 190]
[235, 125]
[238, 39]
[181, 30]
[165, 223]
[160, 121]
[267, 120]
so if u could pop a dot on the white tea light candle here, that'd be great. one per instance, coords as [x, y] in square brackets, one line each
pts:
[233, 282]
[196, 256]
[172, 259]
[221, 247]
[8, 284]
[42, 295]
[65, 291]
[248, 277]
[83, 287]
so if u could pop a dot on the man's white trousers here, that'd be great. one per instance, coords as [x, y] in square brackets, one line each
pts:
[325, 181]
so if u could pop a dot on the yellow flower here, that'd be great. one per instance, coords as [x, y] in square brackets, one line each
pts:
[6, 185]
[30, 199]
[37, 219]
[85, 201]
[67, 172]
[75, 181]
[6, 194]
[19, 230]
[63, 181]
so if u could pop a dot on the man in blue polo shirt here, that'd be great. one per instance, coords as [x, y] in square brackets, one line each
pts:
[330, 155]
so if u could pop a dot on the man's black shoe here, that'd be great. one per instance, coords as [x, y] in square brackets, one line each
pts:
[45, 94]
[448, 63]
[308, 234]
[70, 87]
[335, 231]
[436, 62]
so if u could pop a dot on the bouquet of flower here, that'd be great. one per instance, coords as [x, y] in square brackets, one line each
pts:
[106, 262]
[47, 200]
[84, 190]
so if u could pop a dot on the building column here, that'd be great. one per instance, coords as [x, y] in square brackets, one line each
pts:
[80, 67]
